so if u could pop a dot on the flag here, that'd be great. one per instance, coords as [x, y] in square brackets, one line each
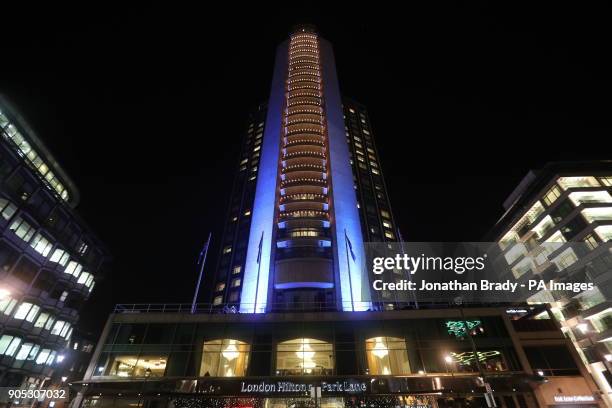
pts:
[350, 246]
[260, 246]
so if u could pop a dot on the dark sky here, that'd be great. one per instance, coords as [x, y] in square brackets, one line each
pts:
[144, 107]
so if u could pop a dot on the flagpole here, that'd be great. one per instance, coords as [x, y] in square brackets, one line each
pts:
[349, 269]
[258, 270]
[399, 234]
[203, 262]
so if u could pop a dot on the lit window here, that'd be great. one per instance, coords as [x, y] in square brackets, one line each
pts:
[236, 282]
[551, 195]
[386, 224]
[580, 181]
[59, 256]
[138, 366]
[42, 319]
[43, 356]
[588, 197]
[385, 214]
[304, 357]
[23, 310]
[237, 269]
[606, 181]
[63, 296]
[22, 229]
[565, 259]
[590, 241]
[224, 358]
[247, 213]
[9, 344]
[227, 249]
[41, 244]
[375, 171]
[24, 351]
[7, 304]
[387, 356]
[389, 235]
[604, 232]
[7, 209]
[74, 268]
[220, 286]
[597, 214]
[217, 300]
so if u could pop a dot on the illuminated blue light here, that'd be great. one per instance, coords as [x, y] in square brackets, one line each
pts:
[254, 294]
[354, 289]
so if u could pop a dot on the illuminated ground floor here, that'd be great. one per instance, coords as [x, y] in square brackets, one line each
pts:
[407, 358]
[511, 391]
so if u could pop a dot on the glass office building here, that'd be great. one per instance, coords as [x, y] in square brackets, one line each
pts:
[49, 258]
[557, 226]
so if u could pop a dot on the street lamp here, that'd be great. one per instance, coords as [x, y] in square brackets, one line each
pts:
[448, 359]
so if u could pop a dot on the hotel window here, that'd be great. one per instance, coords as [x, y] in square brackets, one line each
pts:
[220, 286]
[304, 357]
[236, 282]
[227, 249]
[224, 358]
[387, 356]
[237, 269]
[134, 366]
[26, 311]
[22, 229]
[7, 209]
[217, 300]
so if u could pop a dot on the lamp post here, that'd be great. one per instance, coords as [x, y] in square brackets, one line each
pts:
[448, 359]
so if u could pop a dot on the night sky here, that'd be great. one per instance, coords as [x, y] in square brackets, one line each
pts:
[145, 108]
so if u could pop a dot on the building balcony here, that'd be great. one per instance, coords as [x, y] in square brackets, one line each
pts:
[303, 189]
[303, 223]
[304, 102]
[303, 150]
[310, 128]
[303, 205]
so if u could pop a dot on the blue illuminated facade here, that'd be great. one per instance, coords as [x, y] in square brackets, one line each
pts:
[304, 200]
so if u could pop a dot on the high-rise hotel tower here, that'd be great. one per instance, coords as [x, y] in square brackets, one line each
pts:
[308, 193]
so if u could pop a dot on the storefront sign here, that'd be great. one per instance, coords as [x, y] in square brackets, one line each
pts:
[291, 387]
[574, 398]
